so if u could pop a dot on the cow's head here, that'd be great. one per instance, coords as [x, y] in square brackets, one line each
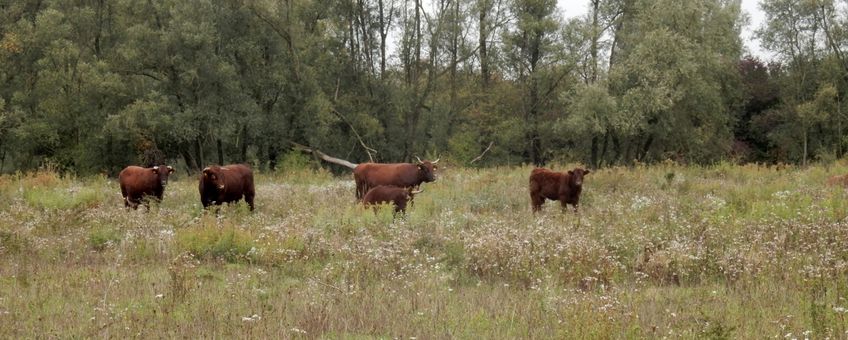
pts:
[427, 169]
[212, 175]
[162, 173]
[577, 176]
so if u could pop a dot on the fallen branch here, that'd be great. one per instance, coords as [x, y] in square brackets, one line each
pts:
[484, 152]
[368, 149]
[322, 155]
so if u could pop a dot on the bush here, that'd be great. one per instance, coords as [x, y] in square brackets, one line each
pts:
[62, 198]
[12, 243]
[211, 242]
[102, 238]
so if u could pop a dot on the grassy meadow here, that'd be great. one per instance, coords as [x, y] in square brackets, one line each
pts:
[659, 251]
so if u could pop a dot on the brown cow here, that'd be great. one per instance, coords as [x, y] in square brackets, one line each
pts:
[564, 187]
[225, 184]
[397, 196]
[838, 180]
[137, 182]
[404, 175]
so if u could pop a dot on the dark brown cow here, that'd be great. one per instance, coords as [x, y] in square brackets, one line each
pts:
[225, 184]
[137, 182]
[397, 196]
[404, 175]
[556, 186]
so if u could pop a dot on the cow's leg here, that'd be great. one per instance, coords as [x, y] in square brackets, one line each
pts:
[146, 199]
[125, 195]
[563, 204]
[248, 197]
[365, 189]
[536, 201]
[360, 189]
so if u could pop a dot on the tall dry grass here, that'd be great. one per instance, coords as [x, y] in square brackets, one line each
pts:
[659, 251]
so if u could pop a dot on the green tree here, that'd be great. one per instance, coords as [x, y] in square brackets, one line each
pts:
[530, 51]
[677, 79]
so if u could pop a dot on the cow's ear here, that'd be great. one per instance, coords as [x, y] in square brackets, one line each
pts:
[155, 170]
[570, 172]
[586, 172]
[170, 170]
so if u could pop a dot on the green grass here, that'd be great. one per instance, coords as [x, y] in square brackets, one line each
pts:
[717, 252]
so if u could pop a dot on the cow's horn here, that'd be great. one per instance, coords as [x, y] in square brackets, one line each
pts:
[170, 168]
[416, 192]
[419, 159]
[156, 167]
[436, 161]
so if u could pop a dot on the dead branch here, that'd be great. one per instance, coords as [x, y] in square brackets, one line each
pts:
[368, 150]
[484, 152]
[322, 155]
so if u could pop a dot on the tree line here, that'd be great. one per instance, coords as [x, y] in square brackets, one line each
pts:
[90, 86]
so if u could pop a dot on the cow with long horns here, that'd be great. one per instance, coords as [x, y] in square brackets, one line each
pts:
[225, 184]
[404, 175]
[137, 183]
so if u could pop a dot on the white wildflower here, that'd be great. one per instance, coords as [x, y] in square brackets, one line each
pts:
[251, 318]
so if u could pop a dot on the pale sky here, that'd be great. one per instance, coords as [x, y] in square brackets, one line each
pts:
[572, 8]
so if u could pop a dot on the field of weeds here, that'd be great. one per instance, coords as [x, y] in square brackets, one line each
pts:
[660, 251]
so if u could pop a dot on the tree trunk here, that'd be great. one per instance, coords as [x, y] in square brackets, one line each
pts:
[804, 161]
[484, 58]
[417, 37]
[616, 147]
[198, 151]
[364, 24]
[839, 151]
[646, 148]
[220, 152]
[603, 151]
[2, 160]
[191, 164]
[383, 34]
[272, 158]
[593, 158]
[594, 48]
[533, 148]
[243, 155]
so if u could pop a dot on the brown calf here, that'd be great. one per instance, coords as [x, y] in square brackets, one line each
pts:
[397, 196]
[556, 186]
